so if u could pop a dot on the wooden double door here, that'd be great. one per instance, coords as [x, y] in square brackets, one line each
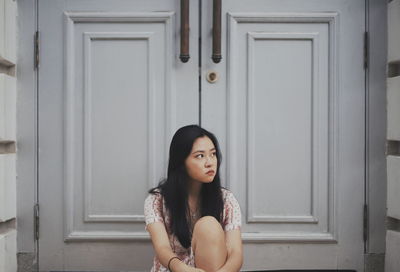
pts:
[287, 104]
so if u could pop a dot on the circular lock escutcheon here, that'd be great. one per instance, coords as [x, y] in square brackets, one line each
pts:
[212, 76]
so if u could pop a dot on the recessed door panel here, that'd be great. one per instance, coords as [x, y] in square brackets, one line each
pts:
[286, 122]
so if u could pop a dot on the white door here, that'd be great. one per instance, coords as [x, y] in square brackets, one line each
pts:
[287, 108]
[112, 90]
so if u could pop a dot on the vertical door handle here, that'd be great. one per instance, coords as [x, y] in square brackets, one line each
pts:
[184, 56]
[217, 9]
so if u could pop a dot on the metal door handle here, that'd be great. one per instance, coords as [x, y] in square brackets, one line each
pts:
[184, 56]
[217, 9]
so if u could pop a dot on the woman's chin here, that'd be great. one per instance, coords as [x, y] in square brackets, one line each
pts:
[205, 180]
[208, 180]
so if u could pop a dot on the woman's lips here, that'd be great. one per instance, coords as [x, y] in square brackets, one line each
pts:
[210, 173]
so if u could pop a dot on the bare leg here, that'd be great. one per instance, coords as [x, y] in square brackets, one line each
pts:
[208, 244]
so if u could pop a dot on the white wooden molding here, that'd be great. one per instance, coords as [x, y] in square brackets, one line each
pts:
[106, 235]
[329, 233]
[312, 215]
[246, 237]
[87, 128]
[254, 237]
[70, 19]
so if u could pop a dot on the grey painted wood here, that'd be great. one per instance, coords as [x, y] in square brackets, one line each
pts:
[112, 93]
[289, 110]
[26, 127]
[377, 123]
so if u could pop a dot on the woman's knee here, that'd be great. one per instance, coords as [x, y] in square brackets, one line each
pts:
[208, 228]
[208, 244]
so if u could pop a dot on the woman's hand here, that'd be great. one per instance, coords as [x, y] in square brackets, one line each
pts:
[182, 267]
[195, 269]
[192, 269]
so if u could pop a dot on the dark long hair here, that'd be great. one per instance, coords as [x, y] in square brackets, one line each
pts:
[174, 188]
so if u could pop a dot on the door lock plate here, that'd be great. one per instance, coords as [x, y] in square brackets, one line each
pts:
[212, 76]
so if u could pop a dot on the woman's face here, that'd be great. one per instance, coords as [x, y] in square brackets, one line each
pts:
[201, 164]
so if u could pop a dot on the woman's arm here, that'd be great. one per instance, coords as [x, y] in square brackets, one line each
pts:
[234, 247]
[164, 252]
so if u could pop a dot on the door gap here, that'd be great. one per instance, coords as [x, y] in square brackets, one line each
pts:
[366, 136]
[200, 64]
[36, 245]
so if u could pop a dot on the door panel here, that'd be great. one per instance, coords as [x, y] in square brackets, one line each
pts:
[290, 117]
[285, 115]
[112, 93]
[114, 111]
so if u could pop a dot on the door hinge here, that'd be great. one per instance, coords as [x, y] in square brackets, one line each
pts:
[365, 223]
[37, 49]
[36, 221]
[366, 49]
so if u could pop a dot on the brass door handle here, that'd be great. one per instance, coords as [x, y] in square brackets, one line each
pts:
[217, 9]
[184, 55]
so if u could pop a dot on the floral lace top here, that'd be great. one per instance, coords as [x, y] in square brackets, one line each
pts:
[155, 211]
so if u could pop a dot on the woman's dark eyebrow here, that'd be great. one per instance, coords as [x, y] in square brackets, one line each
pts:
[202, 151]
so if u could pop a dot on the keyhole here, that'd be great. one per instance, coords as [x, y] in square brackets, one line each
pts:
[212, 76]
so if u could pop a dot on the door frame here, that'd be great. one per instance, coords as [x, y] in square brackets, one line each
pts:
[375, 113]
[375, 136]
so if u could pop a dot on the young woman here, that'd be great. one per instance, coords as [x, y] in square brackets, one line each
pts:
[193, 222]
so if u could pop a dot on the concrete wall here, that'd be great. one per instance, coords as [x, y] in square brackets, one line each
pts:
[392, 260]
[8, 233]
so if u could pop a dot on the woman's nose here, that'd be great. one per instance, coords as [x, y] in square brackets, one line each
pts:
[208, 161]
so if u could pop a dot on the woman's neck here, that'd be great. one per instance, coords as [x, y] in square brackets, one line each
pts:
[194, 190]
